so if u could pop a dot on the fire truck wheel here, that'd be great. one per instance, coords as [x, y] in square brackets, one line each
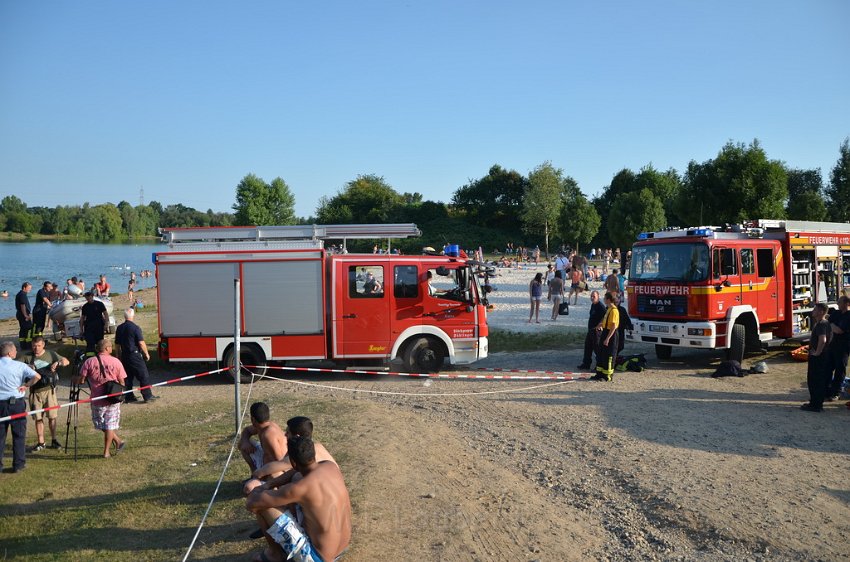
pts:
[423, 356]
[663, 352]
[737, 343]
[250, 355]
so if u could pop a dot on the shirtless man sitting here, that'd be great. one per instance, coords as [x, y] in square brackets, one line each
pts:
[308, 520]
[299, 426]
[271, 441]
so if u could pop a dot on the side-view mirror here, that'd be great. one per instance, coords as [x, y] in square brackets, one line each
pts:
[726, 283]
[488, 288]
[443, 271]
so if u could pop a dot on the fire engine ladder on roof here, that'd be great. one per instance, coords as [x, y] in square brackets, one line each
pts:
[313, 232]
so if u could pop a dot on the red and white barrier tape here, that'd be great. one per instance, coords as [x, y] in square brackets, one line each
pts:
[104, 397]
[528, 375]
[531, 376]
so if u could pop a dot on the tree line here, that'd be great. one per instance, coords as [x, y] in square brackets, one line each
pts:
[545, 207]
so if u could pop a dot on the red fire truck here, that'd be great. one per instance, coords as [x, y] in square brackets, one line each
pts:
[735, 287]
[301, 302]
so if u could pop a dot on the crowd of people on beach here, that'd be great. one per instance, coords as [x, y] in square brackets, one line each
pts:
[568, 277]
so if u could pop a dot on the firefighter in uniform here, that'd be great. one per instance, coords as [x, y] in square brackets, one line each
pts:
[606, 352]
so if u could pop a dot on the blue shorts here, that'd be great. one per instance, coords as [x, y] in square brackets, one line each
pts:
[293, 540]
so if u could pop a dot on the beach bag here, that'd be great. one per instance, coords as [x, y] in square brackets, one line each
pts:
[564, 309]
[111, 387]
[729, 368]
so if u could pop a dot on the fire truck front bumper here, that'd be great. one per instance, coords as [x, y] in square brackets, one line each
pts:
[675, 334]
[469, 351]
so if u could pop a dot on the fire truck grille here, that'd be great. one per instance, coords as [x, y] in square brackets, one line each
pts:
[668, 304]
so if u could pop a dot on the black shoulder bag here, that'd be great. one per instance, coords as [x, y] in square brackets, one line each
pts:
[111, 387]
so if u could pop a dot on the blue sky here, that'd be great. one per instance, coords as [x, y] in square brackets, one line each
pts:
[100, 99]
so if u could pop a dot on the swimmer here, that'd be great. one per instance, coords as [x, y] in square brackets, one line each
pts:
[4, 294]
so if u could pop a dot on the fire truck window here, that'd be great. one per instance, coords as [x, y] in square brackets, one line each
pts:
[443, 286]
[406, 282]
[724, 262]
[366, 282]
[748, 264]
[765, 259]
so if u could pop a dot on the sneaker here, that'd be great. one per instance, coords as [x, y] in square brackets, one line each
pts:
[38, 447]
[833, 398]
[583, 366]
[130, 398]
[151, 399]
[258, 534]
[55, 444]
[809, 408]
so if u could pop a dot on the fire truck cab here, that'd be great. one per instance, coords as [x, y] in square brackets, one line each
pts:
[298, 301]
[734, 287]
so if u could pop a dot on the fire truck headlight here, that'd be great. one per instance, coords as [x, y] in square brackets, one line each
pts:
[699, 331]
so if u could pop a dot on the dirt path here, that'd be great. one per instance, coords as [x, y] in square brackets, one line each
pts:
[666, 464]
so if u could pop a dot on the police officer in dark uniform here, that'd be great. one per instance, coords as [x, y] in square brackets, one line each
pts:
[133, 353]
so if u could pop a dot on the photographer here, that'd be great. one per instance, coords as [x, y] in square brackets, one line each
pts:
[43, 394]
[100, 370]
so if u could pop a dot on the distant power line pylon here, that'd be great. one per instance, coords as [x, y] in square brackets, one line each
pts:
[141, 195]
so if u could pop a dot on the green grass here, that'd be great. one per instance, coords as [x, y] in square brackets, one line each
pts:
[506, 340]
[146, 503]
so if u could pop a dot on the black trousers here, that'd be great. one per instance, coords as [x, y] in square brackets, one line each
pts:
[838, 356]
[590, 342]
[39, 317]
[136, 369]
[818, 378]
[606, 355]
[24, 332]
[19, 431]
[92, 337]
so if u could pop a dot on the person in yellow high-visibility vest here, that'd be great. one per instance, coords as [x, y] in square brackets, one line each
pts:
[606, 351]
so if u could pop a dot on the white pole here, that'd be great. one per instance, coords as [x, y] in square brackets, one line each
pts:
[237, 355]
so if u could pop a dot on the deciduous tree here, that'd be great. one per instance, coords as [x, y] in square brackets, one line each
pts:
[542, 202]
[579, 222]
[838, 191]
[494, 200]
[365, 199]
[740, 183]
[632, 214]
[260, 203]
[805, 196]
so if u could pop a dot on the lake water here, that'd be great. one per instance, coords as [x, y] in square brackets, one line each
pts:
[38, 262]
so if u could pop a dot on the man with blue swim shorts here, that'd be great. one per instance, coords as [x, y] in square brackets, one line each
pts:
[308, 519]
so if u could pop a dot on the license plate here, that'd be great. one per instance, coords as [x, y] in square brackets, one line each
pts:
[664, 329]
